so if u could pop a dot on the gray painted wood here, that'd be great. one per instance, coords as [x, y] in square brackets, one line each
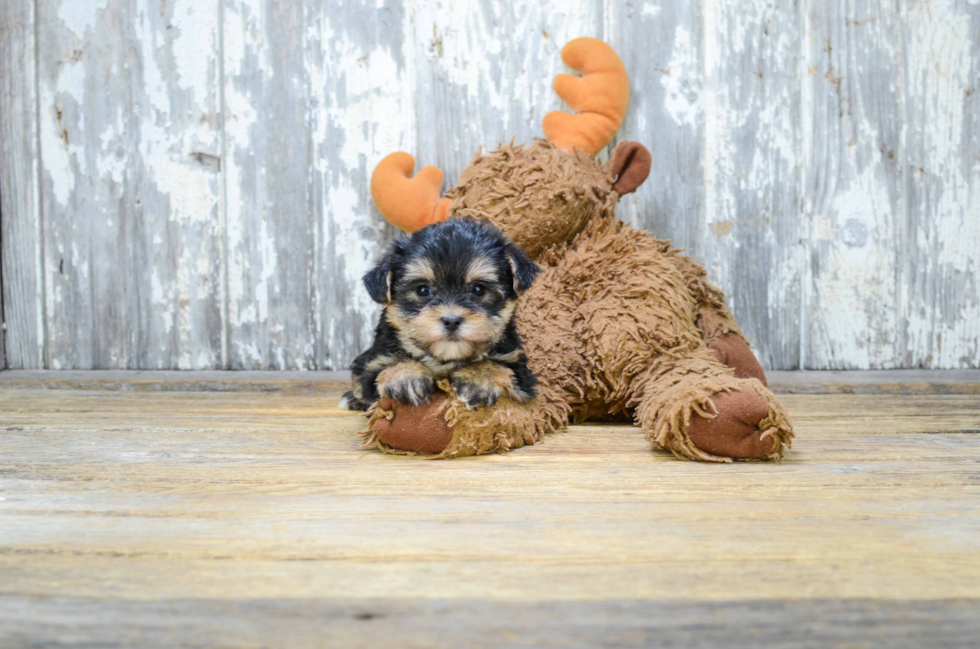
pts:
[916, 381]
[852, 119]
[204, 167]
[753, 244]
[129, 111]
[939, 240]
[661, 47]
[488, 623]
[20, 217]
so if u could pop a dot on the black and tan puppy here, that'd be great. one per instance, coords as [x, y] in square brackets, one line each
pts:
[449, 293]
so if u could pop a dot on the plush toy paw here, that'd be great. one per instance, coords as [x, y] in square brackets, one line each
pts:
[444, 428]
[734, 432]
[734, 352]
[416, 429]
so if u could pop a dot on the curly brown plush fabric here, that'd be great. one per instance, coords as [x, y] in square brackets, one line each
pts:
[619, 325]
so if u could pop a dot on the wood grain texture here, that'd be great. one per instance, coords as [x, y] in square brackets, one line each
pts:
[489, 624]
[203, 168]
[260, 511]
[129, 109]
[853, 89]
[781, 382]
[661, 47]
[484, 70]
[20, 216]
[753, 243]
[940, 236]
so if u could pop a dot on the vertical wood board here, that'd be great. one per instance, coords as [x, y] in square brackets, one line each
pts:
[21, 224]
[128, 108]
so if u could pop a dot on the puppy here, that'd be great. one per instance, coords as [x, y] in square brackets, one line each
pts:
[449, 293]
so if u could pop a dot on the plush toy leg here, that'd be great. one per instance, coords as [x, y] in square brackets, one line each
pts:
[444, 428]
[698, 410]
[732, 350]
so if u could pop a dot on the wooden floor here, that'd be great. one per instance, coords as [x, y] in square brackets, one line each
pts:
[251, 517]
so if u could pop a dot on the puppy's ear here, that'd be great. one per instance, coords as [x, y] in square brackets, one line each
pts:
[378, 281]
[522, 268]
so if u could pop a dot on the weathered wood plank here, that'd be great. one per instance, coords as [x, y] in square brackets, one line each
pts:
[484, 71]
[660, 45]
[22, 340]
[476, 623]
[314, 94]
[129, 136]
[820, 158]
[939, 243]
[176, 514]
[853, 148]
[753, 243]
[270, 234]
[781, 382]
[361, 107]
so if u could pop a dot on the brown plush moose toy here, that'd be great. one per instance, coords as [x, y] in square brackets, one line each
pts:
[618, 326]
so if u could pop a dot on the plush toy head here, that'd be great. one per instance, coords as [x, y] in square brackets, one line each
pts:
[544, 193]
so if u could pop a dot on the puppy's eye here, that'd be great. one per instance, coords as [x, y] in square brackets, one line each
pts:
[479, 289]
[423, 291]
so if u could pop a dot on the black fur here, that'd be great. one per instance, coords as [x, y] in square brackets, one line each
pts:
[449, 248]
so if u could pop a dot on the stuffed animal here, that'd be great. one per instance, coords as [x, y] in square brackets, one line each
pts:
[618, 327]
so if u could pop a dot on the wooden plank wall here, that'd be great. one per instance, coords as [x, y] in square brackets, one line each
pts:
[185, 182]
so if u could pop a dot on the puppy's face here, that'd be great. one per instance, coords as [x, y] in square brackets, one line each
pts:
[451, 289]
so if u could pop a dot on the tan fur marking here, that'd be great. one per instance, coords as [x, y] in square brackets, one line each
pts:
[510, 357]
[420, 268]
[394, 317]
[506, 312]
[513, 272]
[482, 269]
[379, 363]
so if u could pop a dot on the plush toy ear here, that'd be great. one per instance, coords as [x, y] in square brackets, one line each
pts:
[523, 269]
[378, 281]
[629, 166]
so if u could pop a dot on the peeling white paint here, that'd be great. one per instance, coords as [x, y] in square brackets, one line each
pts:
[681, 80]
[79, 15]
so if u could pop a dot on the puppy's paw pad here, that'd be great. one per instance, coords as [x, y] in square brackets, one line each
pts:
[414, 390]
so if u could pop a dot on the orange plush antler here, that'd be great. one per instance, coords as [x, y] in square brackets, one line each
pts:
[599, 97]
[408, 203]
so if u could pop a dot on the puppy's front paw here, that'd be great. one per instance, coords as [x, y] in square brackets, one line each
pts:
[407, 382]
[474, 395]
[411, 390]
[481, 384]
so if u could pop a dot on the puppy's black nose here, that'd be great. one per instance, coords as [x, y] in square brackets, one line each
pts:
[451, 322]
